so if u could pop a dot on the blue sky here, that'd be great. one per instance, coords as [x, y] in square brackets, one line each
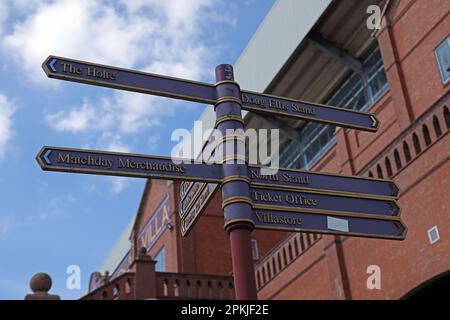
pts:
[49, 221]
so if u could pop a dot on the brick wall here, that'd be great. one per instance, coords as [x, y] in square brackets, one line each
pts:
[413, 109]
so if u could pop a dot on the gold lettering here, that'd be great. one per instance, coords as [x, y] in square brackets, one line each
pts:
[68, 67]
[269, 218]
[300, 200]
[252, 100]
[278, 104]
[305, 109]
[151, 166]
[257, 175]
[63, 159]
[101, 74]
[298, 180]
[267, 197]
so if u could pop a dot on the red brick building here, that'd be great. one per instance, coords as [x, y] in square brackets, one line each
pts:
[322, 51]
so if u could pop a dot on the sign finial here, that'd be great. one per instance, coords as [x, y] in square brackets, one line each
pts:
[224, 72]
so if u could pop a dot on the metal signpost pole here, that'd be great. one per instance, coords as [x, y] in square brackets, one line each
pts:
[236, 183]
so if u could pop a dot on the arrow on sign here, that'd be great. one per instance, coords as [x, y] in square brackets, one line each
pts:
[128, 165]
[374, 121]
[52, 64]
[136, 81]
[330, 224]
[46, 158]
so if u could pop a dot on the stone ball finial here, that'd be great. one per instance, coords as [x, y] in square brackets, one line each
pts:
[142, 250]
[41, 282]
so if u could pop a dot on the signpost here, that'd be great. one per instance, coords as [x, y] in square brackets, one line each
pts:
[290, 200]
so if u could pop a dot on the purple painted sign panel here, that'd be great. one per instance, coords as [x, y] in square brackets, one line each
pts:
[191, 216]
[319, 202]
[329, 224]
[124, 164]
[263, 103]
[136, 81]
[118, 78]
[321, 181]
[191, 191]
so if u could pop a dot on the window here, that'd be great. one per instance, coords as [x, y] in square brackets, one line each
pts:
[416, 141]
[128, 286]
[317, 139]
[447, 117]
[160, 261]
[116, 292]
[442, 53]
[379, 172]
[398, 161]
[433, 235]
[406, 151]
[350, 93]
[426, 135]
[388, 167]
[255, 250]
[437, 127]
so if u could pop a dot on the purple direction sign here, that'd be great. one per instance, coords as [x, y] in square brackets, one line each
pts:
[118, 78]
[128, 165]
[273, 105]
[286, 200]
[298, 179]
[329, 224]
[193, 213]
[132, 80]
[190, 192]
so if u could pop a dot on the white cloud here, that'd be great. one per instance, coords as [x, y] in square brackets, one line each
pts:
[123, 33]
[27, 5]
[72, 121]
[3, 15]
[152, 35]
[54, 208]
[6, 113]
[10, 223]
[153, 141]
[83, 29]
[6, 225]
[119, 184]
[159, 36]
[113, 142]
